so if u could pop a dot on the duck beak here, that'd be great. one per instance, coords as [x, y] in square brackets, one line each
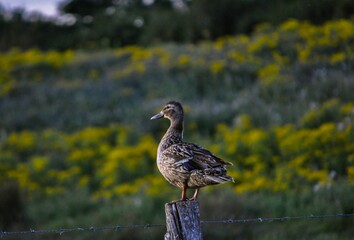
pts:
[157, 116]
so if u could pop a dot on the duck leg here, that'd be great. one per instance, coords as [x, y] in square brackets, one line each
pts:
[195, 196]
[184, 194]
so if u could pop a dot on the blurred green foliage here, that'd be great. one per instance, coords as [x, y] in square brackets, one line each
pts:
[275, 75]
[96, 24]
[77, 147]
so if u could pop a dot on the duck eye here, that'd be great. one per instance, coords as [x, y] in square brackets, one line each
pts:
[167, 108]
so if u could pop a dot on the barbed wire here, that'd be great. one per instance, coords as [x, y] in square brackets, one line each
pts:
[118, 227]
[281, 219]
[66, 230]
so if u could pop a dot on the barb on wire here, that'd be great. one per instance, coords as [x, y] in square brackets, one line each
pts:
[117, 227]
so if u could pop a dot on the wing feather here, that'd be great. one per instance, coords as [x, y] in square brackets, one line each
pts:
[194, 157]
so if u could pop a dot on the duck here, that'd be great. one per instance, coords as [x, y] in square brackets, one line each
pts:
[186, 165]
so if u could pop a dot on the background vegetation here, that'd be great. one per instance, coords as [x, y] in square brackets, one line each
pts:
[83, 23]
[77, 147]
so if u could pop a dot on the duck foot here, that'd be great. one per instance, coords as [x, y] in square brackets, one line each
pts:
[180, 200]
[184, 197]
[195, 196]
[192, 199]
[184, 200]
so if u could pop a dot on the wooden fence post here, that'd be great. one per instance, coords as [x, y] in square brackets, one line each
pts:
[183, 221]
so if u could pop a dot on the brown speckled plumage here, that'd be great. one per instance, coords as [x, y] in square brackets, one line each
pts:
[186, 165]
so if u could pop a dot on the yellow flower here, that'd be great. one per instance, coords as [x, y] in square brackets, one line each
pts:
[81, 155]
[22, 141]
[7, 83]
[141, 54]
[271, 70]
[219, 44]
[266, 41]
[337, 57]
[108, 181]
[255, 136]
[217, 66]
[51, 191]
[140, 68]
[350, 171]
[279, 59]
[164, 57]
[340, 30]
[183, 60]
[237, 56]
[304, 52]
[290, 25]
[126, 188]
[269, 74]
[39, 163]
[84, 180]
[155, 185]
[347, 109]
[282, 132]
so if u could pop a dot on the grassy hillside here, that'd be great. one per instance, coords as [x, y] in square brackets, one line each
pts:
[77, 146]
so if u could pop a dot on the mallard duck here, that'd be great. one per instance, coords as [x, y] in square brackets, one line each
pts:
[186, 165]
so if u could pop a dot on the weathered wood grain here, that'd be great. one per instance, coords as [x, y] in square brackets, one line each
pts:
[183, 221]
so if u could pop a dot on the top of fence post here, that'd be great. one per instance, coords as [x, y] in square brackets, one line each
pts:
[183, 221]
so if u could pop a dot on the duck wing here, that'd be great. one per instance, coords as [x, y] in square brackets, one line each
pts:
[193, 157]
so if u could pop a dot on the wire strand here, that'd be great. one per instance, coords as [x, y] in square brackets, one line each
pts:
[66, 230]
[145, 226]
[281, 219]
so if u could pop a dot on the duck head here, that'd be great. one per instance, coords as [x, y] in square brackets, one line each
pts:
[172, 110]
